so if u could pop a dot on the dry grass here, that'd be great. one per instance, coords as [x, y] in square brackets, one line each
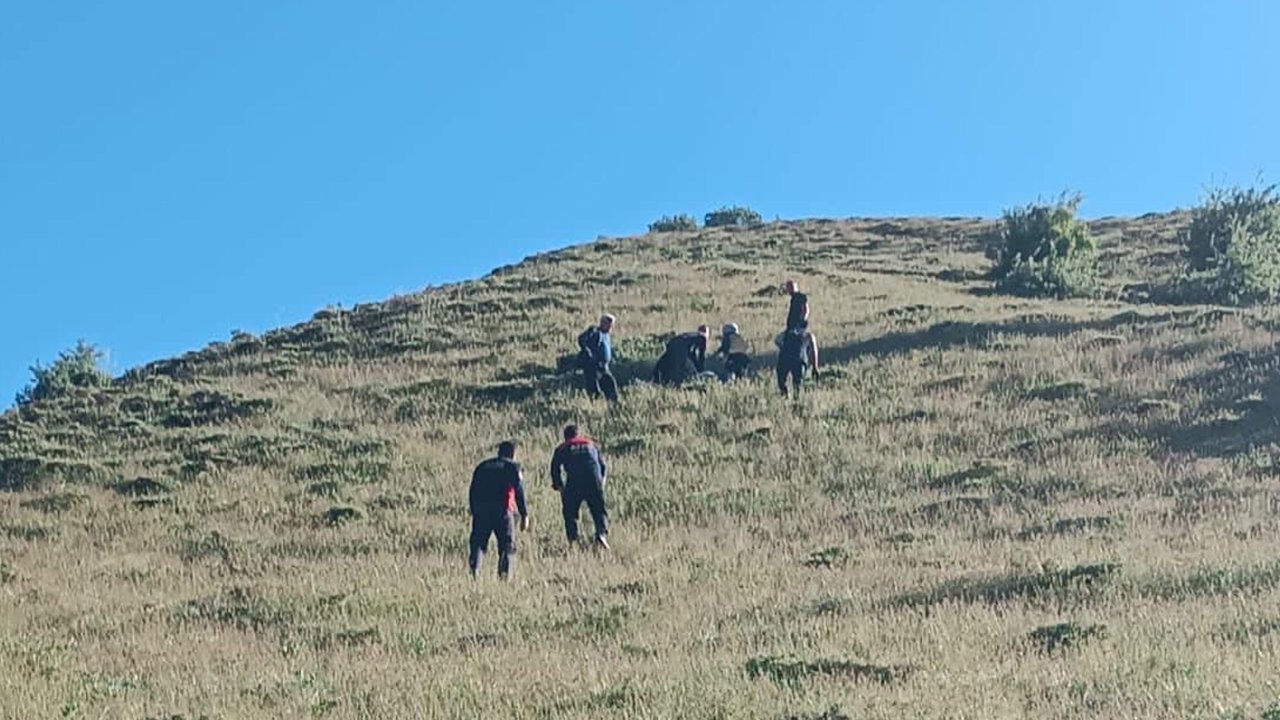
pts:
[275, 527]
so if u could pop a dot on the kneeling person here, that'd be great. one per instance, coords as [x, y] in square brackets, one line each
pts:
[497, 491]
[734, 349]
[685, 356]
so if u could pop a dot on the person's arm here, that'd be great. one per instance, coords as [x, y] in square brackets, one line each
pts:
[474, 495]
[604, 469]
[521, 505]
[589, 341]
[557, 469]
[700, 354]
[813, 354]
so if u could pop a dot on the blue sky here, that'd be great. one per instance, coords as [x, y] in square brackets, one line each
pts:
[172, 171]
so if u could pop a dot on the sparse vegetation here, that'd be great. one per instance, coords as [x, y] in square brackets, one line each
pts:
[732, 216]
[943, 526]
[674, 223]
[1045, 251]
[1052, 638]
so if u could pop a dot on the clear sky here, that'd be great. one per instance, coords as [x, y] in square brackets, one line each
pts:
[171, 171]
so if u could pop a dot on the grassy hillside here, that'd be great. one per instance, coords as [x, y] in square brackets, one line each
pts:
[989, 507]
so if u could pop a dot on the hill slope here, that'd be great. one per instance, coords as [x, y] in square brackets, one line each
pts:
[988, 507]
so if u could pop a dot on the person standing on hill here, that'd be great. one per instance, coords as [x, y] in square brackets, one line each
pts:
[595, 353]
[798, 311]
[686, 355]
[797, 350]
[735, 351]
[497, 491]
[579, 459]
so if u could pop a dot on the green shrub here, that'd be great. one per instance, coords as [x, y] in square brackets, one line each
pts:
[1045, 251]
[78, 367]
[733, 217]
[673, 223]
[1214, 223]
[1250, 272]
[1233, 248]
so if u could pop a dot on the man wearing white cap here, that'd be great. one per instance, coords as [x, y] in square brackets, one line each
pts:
[735, 351]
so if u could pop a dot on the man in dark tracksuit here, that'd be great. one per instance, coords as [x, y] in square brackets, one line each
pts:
[798, 309]
[595, 352]
[580, 459]
[497, 490]
[686, 354]
[797, 350]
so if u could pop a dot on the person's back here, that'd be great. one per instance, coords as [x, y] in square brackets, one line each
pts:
[684, 355]
[792, 350]
[581, 462]
[690, 345]
[735, 350]
[497, 491]
[493, 486]
[579, 459]
[797, 350]
[735, 345]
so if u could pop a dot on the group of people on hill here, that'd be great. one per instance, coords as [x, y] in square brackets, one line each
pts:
[685, 355]
[578, 469]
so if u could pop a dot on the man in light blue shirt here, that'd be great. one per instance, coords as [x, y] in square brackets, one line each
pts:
[595, 353]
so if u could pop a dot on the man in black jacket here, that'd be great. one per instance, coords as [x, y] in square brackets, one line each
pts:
[579, 459]
[797, 351]
[686, 355]
[497, 491]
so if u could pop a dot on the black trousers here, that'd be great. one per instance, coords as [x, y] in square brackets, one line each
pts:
[572, 497]
[673, 369]
[599, 380]
[737, 364]
[504, 526]
[793, 370]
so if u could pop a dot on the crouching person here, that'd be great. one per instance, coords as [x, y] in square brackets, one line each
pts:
[579, 459]
[684, 358]
[735, 351]
[497, 491]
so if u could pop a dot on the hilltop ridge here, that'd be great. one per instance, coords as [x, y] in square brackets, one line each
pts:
[987, 504]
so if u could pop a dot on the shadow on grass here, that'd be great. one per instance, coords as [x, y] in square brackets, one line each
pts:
[998, 589]
[1239, 409]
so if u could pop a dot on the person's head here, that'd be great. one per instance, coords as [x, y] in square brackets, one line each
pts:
[729, 329]
[570, 432]
[791, 286]
[507, 449]
[703, 330]
[606, 322]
